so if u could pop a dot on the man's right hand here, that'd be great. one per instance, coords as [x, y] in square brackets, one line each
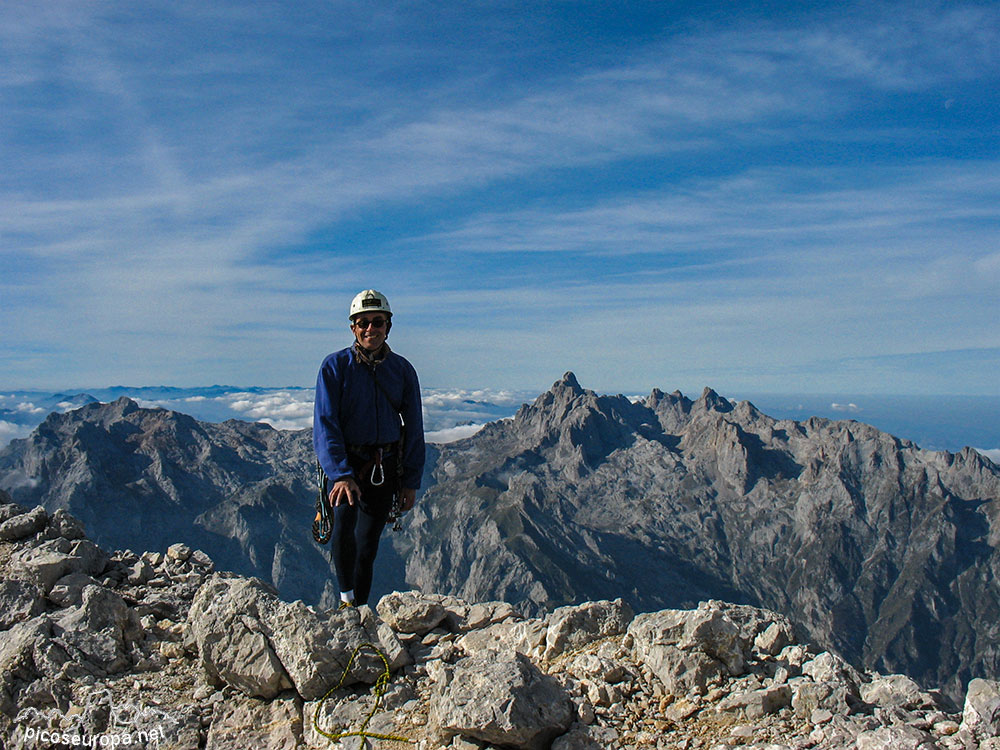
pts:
[345, 490]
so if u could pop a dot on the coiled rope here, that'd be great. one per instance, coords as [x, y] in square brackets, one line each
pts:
[378, 689]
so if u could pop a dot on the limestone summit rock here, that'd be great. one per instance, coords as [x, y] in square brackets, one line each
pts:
[502, 699]
[184, 657]
[250, 639]
[573, 627]
[981, 717]
[688, 649]
[24, 524]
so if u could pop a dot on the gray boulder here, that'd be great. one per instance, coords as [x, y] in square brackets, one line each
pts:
[8, 508]
[242, 722]
[524, 636]
[17, 667]
[178, 552]
[24, 525]
[316, 650]
[87, 557]
[483, 614]
[687, 649]
[574, 627]
[895, 738]
[51, 560]
[19, 601]
[411, 612]
[981, 716]
[772, 640]
[756, 704]
[66, 526]
[809, 696]
[251, 640]
[895, 691]
[578, 738]
[830, 667]
[224, 623]
[101, 631]
[502, 699]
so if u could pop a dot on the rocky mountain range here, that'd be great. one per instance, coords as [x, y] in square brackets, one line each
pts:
[146, 478]
[882, 551]
[154, 650]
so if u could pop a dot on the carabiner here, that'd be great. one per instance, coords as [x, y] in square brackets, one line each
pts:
[377, 466]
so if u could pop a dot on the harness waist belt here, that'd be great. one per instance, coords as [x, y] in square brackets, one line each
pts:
[369, 451]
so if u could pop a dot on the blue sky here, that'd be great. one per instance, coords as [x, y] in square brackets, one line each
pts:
[758, 197]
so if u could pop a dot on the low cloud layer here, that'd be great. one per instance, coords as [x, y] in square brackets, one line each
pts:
[449, 414]
[10, 431]
[992, 454]
[935, 423]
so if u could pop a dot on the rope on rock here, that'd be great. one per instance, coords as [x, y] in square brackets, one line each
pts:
[378, 689]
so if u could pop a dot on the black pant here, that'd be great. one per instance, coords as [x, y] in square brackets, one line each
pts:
[358, 528]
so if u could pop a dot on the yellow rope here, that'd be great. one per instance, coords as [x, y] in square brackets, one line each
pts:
[379, 688]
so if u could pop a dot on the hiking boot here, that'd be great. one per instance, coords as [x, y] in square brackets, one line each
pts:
[345, 605]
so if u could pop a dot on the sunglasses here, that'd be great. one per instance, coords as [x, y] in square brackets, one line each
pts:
[363, 323]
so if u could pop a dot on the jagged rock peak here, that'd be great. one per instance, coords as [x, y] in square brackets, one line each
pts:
[107, 415]
[120, 407]
[552, 406]
[95, 411]
[713, 401]
[658, 397]
[568, 382]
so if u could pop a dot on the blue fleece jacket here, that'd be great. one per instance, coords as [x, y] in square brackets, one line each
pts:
[351, 409]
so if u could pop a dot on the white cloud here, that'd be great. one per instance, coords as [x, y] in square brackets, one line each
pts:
[449, 414]
[451, 434]
[27, 407]
[853, 408]
[10, 431]
[283, 409]
[788, 213]
[204, 214]
[461, 409]
[993, 454]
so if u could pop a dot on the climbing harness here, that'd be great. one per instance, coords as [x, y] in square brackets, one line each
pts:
[378, 689]
[322, 527]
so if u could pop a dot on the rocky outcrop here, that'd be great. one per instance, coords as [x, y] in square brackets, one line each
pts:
[501, 698]
[250, 639]
[158, 650]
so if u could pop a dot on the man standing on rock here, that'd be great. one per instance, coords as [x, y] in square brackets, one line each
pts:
[368, 433]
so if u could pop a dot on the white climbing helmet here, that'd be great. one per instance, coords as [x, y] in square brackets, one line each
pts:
[369, 301]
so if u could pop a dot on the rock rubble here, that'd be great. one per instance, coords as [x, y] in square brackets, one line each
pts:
[166, 651]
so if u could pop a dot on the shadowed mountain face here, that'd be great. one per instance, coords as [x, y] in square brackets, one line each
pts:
[883, 551]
